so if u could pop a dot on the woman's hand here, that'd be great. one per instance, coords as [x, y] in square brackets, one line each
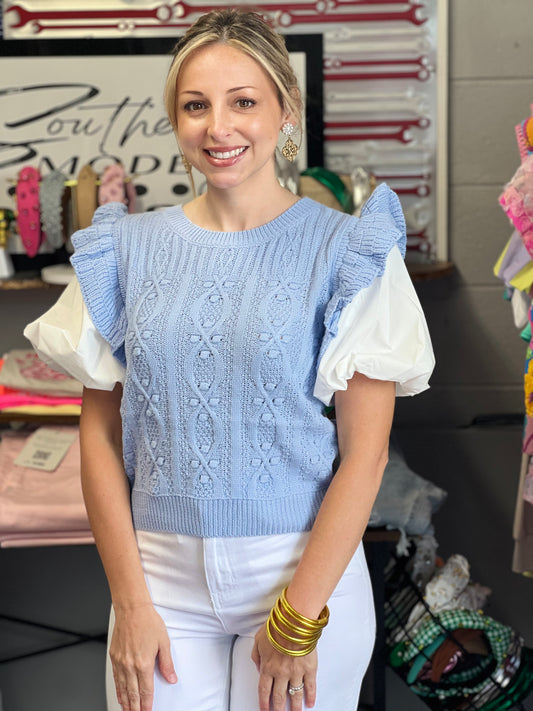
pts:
[277, 672]
[139, 638]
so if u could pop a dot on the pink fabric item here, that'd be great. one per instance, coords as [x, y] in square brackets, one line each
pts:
[40, 505]
[19, 399]
[517, 202]
[23, 371]
[28, 210]
[112, 185]
[527, 443]
[8, 401]
[13, 397]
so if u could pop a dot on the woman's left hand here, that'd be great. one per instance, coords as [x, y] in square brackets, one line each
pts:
[278, 672]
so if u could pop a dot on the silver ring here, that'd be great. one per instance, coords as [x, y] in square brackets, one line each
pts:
[295, 689]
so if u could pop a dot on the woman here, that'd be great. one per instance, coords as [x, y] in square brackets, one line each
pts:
[227, 542]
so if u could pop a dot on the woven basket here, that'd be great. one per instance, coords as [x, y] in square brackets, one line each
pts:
[309, 187]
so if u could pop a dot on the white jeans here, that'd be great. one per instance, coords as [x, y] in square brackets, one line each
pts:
[215, 593]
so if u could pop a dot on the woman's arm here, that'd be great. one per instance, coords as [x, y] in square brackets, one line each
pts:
[364, 416]
[139, 634]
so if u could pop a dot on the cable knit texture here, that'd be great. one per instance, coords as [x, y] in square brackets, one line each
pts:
[220, 333]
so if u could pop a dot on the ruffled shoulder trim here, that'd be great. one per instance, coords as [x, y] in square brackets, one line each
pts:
[369, 241]
[95, 263]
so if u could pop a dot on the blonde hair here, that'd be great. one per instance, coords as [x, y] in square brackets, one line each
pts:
[244, 30]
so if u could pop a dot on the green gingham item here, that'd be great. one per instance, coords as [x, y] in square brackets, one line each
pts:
[498, 635]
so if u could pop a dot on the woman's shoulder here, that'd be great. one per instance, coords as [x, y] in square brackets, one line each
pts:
[318, 210]
[327, 224]
[139, 221]
[112, 221]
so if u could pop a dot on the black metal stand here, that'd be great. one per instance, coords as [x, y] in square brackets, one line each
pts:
[377, 543]
[76, 638]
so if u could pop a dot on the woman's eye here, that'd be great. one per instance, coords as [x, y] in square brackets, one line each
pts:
[194, 106]
[245, 103]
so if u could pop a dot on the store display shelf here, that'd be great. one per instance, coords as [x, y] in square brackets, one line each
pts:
[25, 280]
[433, 270]
[6, 418]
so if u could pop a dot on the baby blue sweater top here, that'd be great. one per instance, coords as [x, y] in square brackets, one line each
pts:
[221, 334]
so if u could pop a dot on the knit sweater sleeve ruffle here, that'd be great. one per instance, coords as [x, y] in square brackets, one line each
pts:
[374, 323]
[95, 263]
[370, 239]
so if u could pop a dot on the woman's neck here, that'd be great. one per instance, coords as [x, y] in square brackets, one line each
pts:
[239, 209]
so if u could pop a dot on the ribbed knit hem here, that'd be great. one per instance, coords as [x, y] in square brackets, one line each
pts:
[225, 518]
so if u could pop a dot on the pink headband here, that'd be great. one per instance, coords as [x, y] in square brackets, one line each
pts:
[28, 210]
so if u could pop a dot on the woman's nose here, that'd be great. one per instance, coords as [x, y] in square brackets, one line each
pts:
[220, 125]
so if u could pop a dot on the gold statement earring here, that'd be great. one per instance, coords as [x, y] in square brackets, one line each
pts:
[186, 164]
[188, 167]
[290, 149]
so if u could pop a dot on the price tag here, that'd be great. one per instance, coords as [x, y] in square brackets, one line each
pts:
[45, 449]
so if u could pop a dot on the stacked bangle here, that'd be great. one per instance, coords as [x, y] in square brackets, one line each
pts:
[290, 625]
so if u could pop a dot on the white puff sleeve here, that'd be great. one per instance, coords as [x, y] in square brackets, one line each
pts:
[381, 333]
[66, 339]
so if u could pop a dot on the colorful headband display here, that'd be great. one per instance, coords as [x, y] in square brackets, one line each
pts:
[53, 207]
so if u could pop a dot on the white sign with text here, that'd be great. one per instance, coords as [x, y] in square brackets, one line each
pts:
[59, 112]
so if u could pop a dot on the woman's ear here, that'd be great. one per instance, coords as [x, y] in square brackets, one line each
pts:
[291, 115]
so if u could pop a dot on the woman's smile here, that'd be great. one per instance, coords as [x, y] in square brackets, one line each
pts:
[224, 156]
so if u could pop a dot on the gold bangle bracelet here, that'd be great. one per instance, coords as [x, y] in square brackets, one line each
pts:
[304, 633]
[291, 624]
[288, 637]
[307, 629]
[284, 650]
[322, 620]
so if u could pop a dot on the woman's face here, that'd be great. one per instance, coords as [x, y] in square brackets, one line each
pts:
[228, 117]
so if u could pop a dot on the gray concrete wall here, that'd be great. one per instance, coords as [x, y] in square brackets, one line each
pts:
[480, 357]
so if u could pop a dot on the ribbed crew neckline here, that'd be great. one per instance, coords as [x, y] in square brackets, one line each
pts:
[190, 232]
